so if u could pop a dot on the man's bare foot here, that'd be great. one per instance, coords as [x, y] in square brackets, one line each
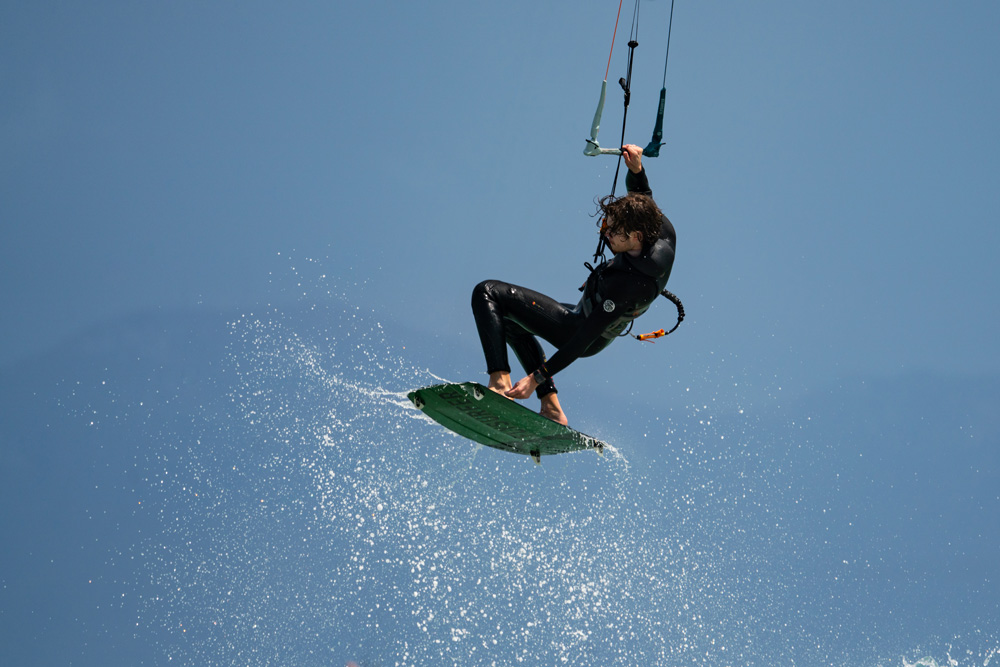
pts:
[552, 410]
[500, 382]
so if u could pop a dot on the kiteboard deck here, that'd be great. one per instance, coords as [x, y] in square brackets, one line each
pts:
[473, 411]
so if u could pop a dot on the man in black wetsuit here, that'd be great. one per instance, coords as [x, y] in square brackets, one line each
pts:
[617, 292]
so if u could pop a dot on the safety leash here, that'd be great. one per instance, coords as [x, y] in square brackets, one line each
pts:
[660, 333]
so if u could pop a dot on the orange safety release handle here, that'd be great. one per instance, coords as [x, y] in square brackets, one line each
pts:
[656, 334]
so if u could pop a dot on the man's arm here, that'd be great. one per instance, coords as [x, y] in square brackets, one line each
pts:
[635, 179]
[625, 293]
[589, 331]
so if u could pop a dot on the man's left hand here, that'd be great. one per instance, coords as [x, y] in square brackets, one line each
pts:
[523, 388]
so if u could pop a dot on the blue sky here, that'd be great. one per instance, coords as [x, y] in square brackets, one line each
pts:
[831, 169]
[832, 172]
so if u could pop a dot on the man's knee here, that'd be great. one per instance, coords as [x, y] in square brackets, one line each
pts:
[484, 291]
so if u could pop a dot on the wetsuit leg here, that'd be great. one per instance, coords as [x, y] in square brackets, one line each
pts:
[508, 314]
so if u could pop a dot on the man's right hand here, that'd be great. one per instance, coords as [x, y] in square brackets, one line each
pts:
[633, 157]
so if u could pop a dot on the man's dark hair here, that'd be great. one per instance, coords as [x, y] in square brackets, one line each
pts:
[632, 213]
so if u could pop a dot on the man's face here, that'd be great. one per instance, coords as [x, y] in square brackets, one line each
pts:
[622, 242]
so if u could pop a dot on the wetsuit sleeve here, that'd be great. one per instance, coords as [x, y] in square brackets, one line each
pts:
[591, 329]
[626, 292]
[638, 183]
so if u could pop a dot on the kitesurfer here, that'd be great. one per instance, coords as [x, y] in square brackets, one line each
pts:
[616, 292]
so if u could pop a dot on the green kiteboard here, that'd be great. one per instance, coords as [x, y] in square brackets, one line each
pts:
[473, 411]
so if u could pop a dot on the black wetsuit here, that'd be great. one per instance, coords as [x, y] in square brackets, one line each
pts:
[616, 292]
